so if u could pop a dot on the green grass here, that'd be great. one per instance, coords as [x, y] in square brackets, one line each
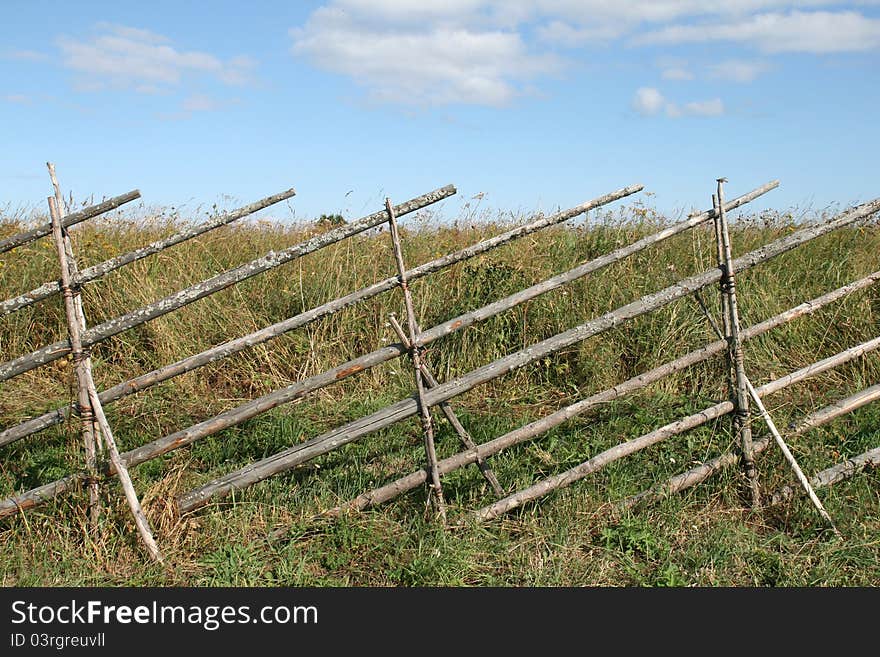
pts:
[706, 536]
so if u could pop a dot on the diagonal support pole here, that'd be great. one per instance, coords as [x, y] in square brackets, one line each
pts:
[415, 353]
[741, 417]
[802, 478]
[463, 434]
[87, 388]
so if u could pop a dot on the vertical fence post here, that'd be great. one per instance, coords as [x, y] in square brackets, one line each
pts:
[741, 424]
[86, 384]
[80, 357]
[756, 398]
[424, 409]
[719, 249]
[722, 297]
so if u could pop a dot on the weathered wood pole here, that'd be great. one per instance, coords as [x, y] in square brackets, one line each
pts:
[853, 465]
[236, 345]
[214, 284]
[538, 427]
[741, 424]
[87, 385]
[68, 221]
[463, 434]
[836, 409]
[81, 361]
[789, 457]
[95, 272]
[416, 356]
[722, 298]
[140, 520]
[719, 252]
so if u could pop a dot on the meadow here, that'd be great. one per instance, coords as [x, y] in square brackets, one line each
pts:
[706, 536]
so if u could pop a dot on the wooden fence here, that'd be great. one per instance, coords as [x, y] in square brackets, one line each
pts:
[429, 391]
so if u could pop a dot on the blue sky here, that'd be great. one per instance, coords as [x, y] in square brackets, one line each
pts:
[534, 105]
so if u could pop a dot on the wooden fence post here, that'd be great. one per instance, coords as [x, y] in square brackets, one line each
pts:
[88, 394]
[722, 298]
[742, 426]
[80, 357]
[415, 354]
[769, 420]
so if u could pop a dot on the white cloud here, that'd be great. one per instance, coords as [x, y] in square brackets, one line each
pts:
[676, 73]
[796, 31]
[572, 21]
[25, 55]
[200, 103]
[648, 101]
[415, 11]
[133, 33]
[566, 35]
[625, 16]
[142, 60]
[712, 107]
[580, 12]
[737, 70]
[488, 52]
[427, 66]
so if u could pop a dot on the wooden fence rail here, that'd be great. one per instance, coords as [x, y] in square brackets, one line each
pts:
[69, 220]
[95, 272]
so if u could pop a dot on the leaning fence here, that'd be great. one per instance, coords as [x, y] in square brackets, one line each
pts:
[429, 391]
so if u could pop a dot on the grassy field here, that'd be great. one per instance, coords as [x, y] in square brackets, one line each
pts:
[706, 536]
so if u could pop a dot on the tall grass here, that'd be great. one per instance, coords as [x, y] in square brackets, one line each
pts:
[703, 537]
